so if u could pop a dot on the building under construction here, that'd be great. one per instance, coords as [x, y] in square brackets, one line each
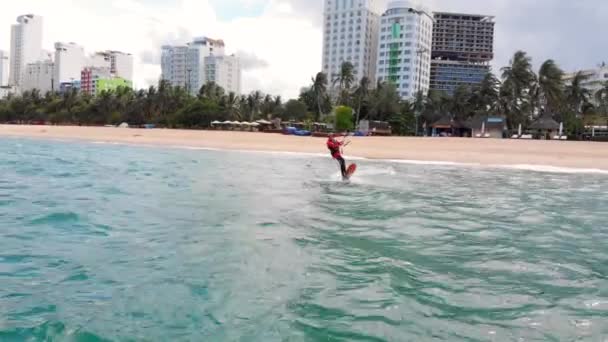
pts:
[463, 47]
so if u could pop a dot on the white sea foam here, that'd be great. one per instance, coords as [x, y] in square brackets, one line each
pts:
[552, 169]
[522, 167]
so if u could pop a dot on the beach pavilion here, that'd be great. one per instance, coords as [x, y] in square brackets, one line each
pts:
[544, 127]
[485, 126]
[447, 126]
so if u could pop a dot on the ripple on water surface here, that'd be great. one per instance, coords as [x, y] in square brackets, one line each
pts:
[123, 243]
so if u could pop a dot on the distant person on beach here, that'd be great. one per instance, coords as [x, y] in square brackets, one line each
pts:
[334, 148]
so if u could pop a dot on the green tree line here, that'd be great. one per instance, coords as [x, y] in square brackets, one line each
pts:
[165, 106]
[520, 93]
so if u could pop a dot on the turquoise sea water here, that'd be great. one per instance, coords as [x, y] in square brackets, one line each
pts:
[125, 243]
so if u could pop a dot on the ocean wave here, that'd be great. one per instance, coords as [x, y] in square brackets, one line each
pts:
[48, 331]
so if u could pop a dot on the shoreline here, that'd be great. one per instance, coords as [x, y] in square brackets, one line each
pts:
[548, 156]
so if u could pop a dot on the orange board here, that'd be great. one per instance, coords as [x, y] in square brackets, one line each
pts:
[351, 169]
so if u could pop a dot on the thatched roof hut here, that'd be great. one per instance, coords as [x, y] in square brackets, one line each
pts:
[545, 123]
[446, 122]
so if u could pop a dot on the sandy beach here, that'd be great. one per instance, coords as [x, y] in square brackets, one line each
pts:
[571, 154]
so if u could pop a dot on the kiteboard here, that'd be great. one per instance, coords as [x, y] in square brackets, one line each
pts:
[350, 171]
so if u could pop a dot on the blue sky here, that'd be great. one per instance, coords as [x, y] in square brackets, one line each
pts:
[280, 40]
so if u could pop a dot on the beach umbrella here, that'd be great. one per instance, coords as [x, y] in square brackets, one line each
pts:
[255, 124]
[519, 131]
[226, 123]
[561, 129]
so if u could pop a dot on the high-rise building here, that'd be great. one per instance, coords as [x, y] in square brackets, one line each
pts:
[119, 63]
[3, 69]
[173, 64]
[463, 47]
[26, 46]
[39, 76]
[593, 79]
[200, 61]
[404, 54]
[69, 61]
[198, 50]
[350, 34]
[224, 71]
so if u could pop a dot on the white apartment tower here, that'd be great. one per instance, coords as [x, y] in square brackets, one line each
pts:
[350, 34]
[404, 53]
[3, 69]
[69, 61]
[173, 64]
[200, 61]
[198, 51]
[26, 45]
[224, 71]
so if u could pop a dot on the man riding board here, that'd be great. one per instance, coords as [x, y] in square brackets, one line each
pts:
[334, 147]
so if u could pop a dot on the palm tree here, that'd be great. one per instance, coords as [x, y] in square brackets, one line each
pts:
[577, 95]
[69, 100]
[345, 79]
[485, 97]
[519, 72]
[550, 86]
[319, 88]
[385, 102]
[362, 92]
[162, 99]
[211, 91]
[461, 103]
[149, 104]
[436, 105]
[253, 102]
[518, 84]
[230, 104]
[105, 103]
[601, 97]
[243, 107]
[267, 106]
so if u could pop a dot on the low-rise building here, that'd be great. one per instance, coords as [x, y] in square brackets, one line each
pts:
[95, 80]
[593, 79]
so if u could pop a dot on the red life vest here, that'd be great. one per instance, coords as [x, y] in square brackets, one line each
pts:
[334, 147]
